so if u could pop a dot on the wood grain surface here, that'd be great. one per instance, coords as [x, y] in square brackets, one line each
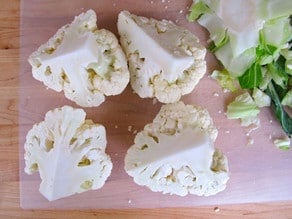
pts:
[9, 154]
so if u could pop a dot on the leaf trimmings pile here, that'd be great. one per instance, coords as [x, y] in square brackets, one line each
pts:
[255, 50]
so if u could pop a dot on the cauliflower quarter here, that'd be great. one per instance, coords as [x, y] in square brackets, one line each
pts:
[69, 153]
[175, 153]
[85, 62]
[165, 61]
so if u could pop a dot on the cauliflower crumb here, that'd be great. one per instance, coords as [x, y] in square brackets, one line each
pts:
[154, 101]
[250, 141]
[129, 128]
[215, 94]
[216, 209]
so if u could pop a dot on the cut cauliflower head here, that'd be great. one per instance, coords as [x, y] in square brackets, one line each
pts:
[165, 61]
[68, 152]
[175, 153]
[85, 62]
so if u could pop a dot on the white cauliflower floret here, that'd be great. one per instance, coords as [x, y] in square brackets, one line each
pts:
[84, 62]
[175, 153]
[69, 153]
[165, 61]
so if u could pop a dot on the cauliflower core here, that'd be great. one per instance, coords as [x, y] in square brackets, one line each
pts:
[165, 61]
[84, 62]
[69, 153]
[175, 154]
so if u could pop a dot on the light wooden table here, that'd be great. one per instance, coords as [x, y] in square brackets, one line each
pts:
[9, 166]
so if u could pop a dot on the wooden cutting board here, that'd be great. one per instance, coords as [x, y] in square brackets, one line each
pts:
[259, 172]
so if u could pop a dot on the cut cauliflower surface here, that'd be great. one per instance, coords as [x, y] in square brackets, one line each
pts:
[69, 153]
[165, 61]
[175, 153]
[85, 62]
